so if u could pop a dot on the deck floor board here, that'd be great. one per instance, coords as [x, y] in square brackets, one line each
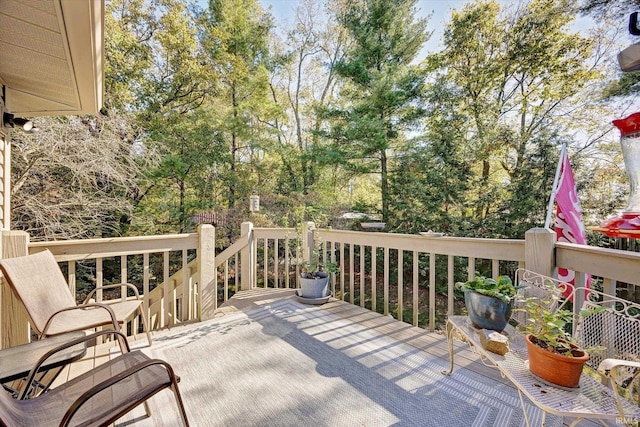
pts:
[353, 334]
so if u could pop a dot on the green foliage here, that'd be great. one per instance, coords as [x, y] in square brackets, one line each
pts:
[510, 82]
[208, 106]
[318, 264]
[549, 322]
[502, 288]
[381, 89]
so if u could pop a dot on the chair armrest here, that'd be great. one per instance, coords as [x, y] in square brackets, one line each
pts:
[113, 381]
[114, 320]
[608, 365]
[117, 285]
[34, 371]
[608, 368]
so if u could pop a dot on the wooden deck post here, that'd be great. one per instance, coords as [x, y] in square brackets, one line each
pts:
[14, 320]
[247, 258]
[208, 284]
[539, 250]
[308, 243]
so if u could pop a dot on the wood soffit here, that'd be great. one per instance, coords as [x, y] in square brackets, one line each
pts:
[51, 56]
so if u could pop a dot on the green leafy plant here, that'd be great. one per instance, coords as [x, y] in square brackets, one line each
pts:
[319, 266]
[502, 288]
[549, 323]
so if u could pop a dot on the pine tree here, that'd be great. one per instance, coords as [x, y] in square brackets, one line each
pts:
[381, 87]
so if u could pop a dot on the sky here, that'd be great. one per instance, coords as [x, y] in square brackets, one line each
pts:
[282, 10]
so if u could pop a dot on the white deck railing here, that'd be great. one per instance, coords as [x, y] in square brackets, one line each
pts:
[363, 256]
[182, 279]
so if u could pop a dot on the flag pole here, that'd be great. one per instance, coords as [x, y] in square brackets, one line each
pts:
[554, 188]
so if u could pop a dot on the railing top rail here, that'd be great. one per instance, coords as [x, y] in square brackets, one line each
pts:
[504, 249]
[587, 249]
[274, 233]
[225, 255]
[609, 263]
[67, 250]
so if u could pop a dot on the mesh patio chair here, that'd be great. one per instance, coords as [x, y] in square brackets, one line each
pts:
[38, 282]
[96, 398]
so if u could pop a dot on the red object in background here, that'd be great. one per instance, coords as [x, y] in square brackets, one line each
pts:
[630, 124]
[625, 225]
[628, 224]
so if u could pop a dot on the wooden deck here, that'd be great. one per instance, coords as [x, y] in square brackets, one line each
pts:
[335, 364]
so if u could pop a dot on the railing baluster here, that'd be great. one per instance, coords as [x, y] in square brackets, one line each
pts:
[386, 281]
[400, 287]
[72, 277]
[226, 280]
[187, 309]
[145, 288]
[236, 266]
[342, 264]
[415, 287]
[495, 269]
[99, 280]
[362, 293]
[165, 318]
[374, 278]
[287, 267]
[432, 292]
[609, 287]
[471, 270]
[254, 268]
[351, 273]
[333, 275]
[276, 261]
[450, 285]
[265, 263]
[123, 276]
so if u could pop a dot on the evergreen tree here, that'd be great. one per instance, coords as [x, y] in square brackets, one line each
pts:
[381, 88]
[235, 35]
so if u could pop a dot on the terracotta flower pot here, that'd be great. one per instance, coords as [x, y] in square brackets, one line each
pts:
[555, 368]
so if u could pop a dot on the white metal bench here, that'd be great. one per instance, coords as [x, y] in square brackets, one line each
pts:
[616, 329]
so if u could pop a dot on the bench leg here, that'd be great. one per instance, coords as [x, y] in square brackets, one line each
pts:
[450, 342]
[524, 410]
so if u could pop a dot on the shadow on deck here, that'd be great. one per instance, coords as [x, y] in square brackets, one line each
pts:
[266, 359]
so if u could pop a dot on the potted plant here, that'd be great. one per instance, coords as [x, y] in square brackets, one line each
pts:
[554, 356]
[315, 269]
[489, 302]
[314, 279]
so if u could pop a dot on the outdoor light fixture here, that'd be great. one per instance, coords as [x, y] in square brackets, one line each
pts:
[16, 122]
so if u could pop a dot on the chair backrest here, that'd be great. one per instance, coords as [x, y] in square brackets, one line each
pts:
[39, 283]
[544, 288]
[611, 333]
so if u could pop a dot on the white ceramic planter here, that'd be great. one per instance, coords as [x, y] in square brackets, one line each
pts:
[314, 288]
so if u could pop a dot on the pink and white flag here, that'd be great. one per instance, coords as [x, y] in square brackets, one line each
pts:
[568, 224]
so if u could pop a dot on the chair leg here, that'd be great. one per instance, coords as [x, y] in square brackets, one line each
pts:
[147, 409]
[145, 325]
[183, 413]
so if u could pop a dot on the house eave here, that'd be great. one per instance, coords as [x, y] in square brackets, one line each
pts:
[51, 56]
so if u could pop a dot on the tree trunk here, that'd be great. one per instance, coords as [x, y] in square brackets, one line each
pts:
[384, 185]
